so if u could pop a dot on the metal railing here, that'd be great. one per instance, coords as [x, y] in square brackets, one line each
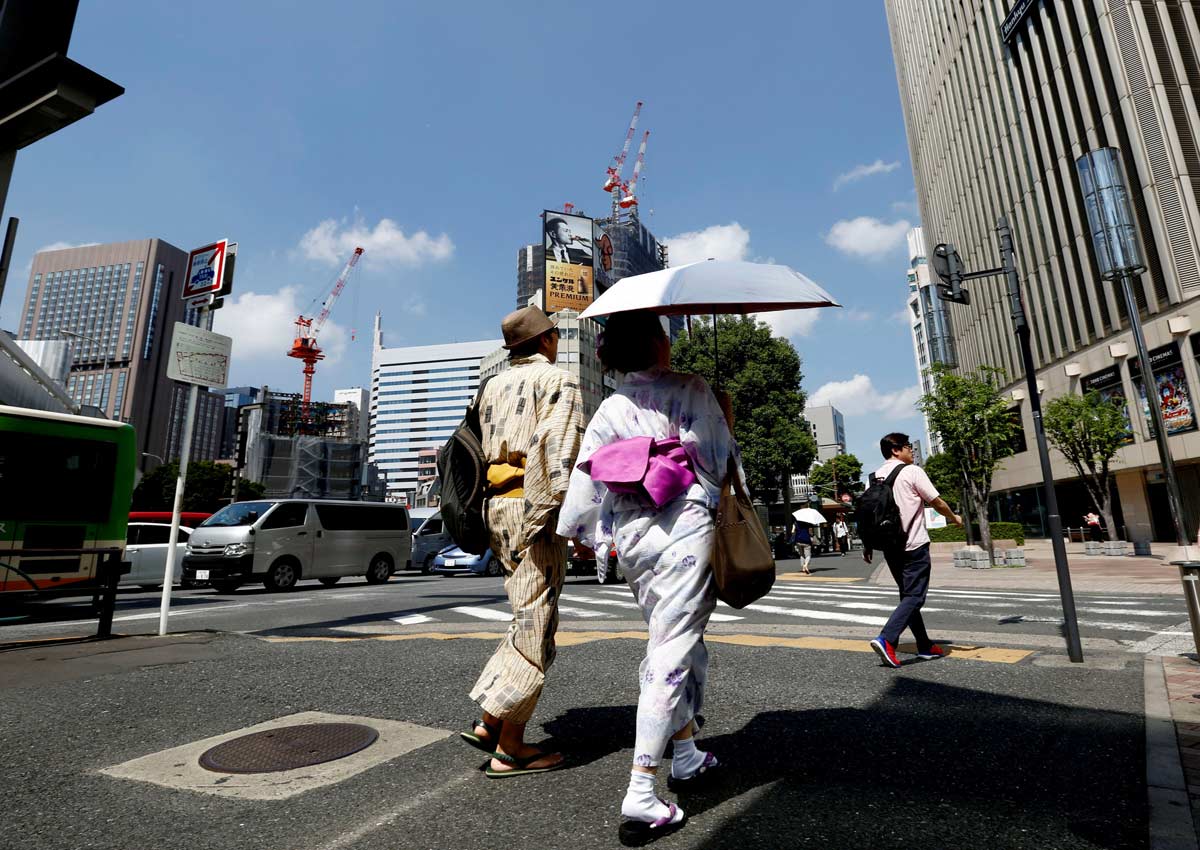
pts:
[109, 570]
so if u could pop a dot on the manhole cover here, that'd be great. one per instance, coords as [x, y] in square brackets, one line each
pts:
[288, 748]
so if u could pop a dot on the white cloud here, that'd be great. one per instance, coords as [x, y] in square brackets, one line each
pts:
[263, 326]
[860, 172]
[867, 237]
[859, 397]
[903, 315]
[384, 244]
[791, 323]
[719, 242]
[909, 207]
[856, 315]
[62, 246]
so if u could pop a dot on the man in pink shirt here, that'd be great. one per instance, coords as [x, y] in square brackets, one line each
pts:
[912, 491]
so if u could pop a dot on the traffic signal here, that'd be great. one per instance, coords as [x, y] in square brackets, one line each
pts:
[948, 266]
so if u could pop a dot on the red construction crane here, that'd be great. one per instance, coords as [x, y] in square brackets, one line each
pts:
[630, 198]
[304, 347]
[614, 170]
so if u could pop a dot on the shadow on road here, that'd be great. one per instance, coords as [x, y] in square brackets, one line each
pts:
[930, 765]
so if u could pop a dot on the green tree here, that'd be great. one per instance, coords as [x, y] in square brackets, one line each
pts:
[972, 420]
[207, 488]
[946, 475]
[844, 470]
[761, 374]
[1089, 430]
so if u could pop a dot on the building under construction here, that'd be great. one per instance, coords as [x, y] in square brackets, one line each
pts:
[316, 454]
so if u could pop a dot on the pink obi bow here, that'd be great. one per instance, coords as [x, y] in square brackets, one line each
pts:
[659, 470]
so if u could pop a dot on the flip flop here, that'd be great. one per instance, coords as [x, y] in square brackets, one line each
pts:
[708, 769]
[636, 833]
[520, 766]
[488, 745]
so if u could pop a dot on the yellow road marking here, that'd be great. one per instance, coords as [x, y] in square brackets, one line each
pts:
[803, 577]
[992, 654]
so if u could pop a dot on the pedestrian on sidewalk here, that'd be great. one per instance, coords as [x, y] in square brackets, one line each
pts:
[1093, 523]
[841, 533]
[804, 545]
[649, 481]
[531, 418]
[907, 560]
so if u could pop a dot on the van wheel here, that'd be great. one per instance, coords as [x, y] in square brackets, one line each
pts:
[283, 575]
[225, 586]
[380, 569]
[330, 581]
[427, 565]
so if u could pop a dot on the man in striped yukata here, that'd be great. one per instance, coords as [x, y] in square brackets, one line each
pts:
[531, 418]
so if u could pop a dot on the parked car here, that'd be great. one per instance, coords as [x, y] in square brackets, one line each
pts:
[280, 542]
[146, 546]
[583, 561]
[452, 561]
[427, 541]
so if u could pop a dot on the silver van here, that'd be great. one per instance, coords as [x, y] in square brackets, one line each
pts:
[428, 540]
[280, 542]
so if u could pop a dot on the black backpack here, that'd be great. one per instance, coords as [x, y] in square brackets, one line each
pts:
[879, 523]
[462, 468]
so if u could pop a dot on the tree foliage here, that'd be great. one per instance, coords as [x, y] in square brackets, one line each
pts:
[972, 420]
[1089, 430]
[761, 374]
[207, 488]
[845, 469]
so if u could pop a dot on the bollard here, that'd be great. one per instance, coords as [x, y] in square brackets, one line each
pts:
[1189, 574]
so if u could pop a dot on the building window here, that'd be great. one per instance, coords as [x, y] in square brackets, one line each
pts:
[154, 296]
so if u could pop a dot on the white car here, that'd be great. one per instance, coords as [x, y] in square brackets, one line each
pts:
[146, 551]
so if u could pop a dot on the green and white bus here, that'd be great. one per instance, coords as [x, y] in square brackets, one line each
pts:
[66, 483]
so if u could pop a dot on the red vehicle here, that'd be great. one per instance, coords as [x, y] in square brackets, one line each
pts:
[583, 561]
[189, 518]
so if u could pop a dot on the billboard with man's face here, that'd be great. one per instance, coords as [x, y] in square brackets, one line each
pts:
[570, 279]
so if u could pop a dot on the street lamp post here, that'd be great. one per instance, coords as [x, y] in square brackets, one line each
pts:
[1119, 255]
[104, 369]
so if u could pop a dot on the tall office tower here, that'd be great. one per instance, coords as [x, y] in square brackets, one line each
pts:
[418, 396]
[929, 321]
[828, 428]
[117, 304]
[998, 108]
[235, 399]
[359, 399]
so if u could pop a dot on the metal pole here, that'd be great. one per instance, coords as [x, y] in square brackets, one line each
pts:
[10, 238]
[1053, 520]
[716, 362]
[1160, 430]
[184, 453]
[8, 159]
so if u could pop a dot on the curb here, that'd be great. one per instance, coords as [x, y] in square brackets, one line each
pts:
[1170, 810]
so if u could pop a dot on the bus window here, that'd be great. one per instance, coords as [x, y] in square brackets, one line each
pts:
[54, 478]
[239, 513]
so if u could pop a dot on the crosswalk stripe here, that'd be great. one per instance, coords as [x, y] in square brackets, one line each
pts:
[413, 619]
[718, 617]
[620, 603]
[810, 614]
[863, 606]
[582, 612]
[483, 613]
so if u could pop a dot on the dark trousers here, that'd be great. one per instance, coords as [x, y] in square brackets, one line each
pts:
[911, 572]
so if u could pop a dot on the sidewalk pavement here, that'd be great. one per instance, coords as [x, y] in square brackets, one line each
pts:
[1183, 694]
[1148, 574]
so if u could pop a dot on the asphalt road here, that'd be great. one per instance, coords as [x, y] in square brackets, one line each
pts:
[823, 749]
[836, 600]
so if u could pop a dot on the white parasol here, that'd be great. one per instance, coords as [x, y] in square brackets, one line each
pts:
[810, 516]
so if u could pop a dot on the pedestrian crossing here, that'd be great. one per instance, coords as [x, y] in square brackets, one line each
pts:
[856, 606]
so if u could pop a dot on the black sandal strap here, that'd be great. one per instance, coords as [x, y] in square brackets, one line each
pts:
[491, 730]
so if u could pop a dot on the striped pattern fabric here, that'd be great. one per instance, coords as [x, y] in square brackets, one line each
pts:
[531, 413]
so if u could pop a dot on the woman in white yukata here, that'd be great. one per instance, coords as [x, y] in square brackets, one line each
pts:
[662, 528]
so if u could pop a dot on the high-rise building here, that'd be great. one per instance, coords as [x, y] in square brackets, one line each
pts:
[235, 399]
[998, 109]
[828, 428]
[117, 305]
[418, 396]
[359, 399]
[928, 319]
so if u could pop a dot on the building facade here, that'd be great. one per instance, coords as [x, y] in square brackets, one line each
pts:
[117, 304]
[418, 396]
[359, 401]
[928, 319]
[1000, 99]
[828, 428]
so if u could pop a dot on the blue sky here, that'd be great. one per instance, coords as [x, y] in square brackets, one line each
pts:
[435, 133]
